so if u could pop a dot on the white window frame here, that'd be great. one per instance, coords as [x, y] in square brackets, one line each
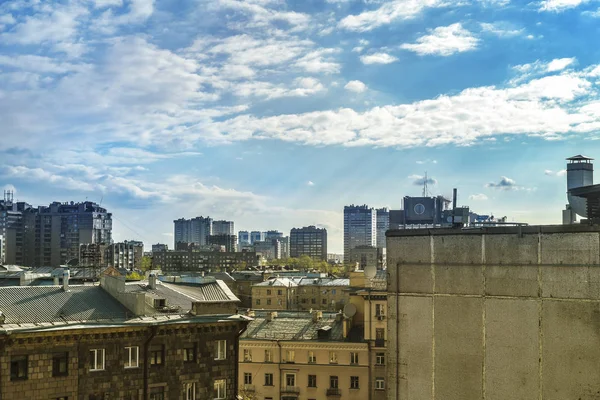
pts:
[132, 361]
[220, 387]
[286, 379]
[380, 358]
[290, 356]
[312, 358]
[221, 350]
[247, 378]
[247, 355]
[353, 358]
[268, 356]
[97, 363]
[190, 391]
[379, 384]
[333, 359]
[354, 379]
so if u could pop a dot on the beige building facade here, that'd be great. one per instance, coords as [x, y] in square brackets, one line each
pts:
[500, 313]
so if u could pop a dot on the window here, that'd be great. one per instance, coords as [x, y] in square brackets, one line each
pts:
[132, 355]
[60, 364]
[380, 358]
[18, 368]
[258, 302]
[157, 393]
[268, 379]
[221, 349]
[291, 356]
[380, 334]
[190, 391]
[379, 384]
[268, 302]
[313, 301]
[247, 378]
[333, 382]
[312, 381]
[268, 292]
[279, 292]
[354, 382]
[290, 380]
[189, 353]
[324, 301]
[312, 358]
[247, 355]
[333, 357]
[97, 360]
[379, 310]
[157, 354]
[220, 388]
[303, 301]
[268, 356]
[353, 358]
[333, 291]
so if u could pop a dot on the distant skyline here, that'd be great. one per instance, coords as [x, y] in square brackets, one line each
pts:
[277, 114]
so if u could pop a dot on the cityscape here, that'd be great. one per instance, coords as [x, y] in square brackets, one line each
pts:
[299, 200]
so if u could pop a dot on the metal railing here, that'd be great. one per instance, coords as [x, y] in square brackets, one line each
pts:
[334, 392]
[290, 389]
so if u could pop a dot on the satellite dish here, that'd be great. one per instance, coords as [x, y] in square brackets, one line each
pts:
[370, 271]
[349, 310]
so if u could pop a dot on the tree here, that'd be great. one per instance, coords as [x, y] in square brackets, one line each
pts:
[146, 263]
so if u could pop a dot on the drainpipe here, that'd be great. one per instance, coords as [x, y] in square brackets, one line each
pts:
[279, 365]
[236, 378]
[153, 330]
[370, 369]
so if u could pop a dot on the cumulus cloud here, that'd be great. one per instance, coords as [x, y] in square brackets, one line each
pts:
[502, 29]
[378, 58]
[549, 172]
[560, 5]
[420, 180]
[355, 86]
[505, 183]
[478, 197]
[560, 63]
[310, 183]
[444, 41]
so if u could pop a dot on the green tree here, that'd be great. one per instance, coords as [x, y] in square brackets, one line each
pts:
[146, 263]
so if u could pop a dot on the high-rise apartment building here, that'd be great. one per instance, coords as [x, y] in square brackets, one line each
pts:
[256, 236]
[360, 227]
[195, 230]
[127, 254]
[159, 247]
[226, 240]
[273, 235]
[223, 228]
[383, 224]
[310, 241]
[50, 235]
[243, 238]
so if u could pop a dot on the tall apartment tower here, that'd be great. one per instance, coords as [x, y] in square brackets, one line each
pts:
[256, 236]
[195, 230]
[243, 238]
[360, 227]
[223, 228]
[127, 254]
[383, 224]
[310, 241]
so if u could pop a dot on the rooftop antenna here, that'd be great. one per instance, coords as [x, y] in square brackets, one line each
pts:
[425, 191]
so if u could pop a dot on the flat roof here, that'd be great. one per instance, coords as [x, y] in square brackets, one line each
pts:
[494, 230]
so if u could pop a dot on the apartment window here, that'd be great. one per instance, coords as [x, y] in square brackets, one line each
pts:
[268, 379]
[268, 292]
[312, 358]
[247, 378]
[221, 349]
[332, 291]
[312, 381]
[219, 387]
[303, 301]
[258, 302]
[190, 391]
[333, 357]
[189, 353]
[97, 360]
[313, 301]
[353, 358]
[157, 393]
[18, 368]
[380, 334]
[354, 382]
[379, 310]
[324, 301]
[247, 355]
[268, 302]
[268, 356]
[132, 354]
[333, 382]
[157, 353]
[280, 292]
[60, 364]
[290, 380]
[379, 384]
[291, 356]
[380, 358]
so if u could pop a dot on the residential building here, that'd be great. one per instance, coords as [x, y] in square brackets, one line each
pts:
[383, 224]
[273, 235]
[494, 313]
[127, 254]
[223, 228]
[309, 241]
[243, 238]
[199, 261]
[50, 235]
[195, 230]
[268, 249]
[226, 240]
[142, 341]
[92, 255]
[366, 256]
[276, 294]
[291, 355]
[360, 227]
[159, 247]
[256, 236]
[334, 258]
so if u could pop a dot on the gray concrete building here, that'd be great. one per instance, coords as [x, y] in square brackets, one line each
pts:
[194, 230]
[226, 240]
[222, 227]
[500, 313]
[310, 241]
[360, 227]
[127, 254]
[383, 224]
[256, 236]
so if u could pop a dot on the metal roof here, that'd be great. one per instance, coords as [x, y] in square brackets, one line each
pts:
[287, 282]
[36, 304]
[292, 326]
[579, 157]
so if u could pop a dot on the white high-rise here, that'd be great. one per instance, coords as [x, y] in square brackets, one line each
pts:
[360, 227]
[383, 224]
[195, 230]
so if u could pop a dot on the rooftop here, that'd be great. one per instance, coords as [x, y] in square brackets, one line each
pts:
[288, 325]
[495, 230]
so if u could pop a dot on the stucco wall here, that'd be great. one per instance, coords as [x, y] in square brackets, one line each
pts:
[497, 313]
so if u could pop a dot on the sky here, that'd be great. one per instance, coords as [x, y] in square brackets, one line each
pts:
[275, 114]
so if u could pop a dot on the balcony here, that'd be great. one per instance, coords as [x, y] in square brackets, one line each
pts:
[379, 342]
[334, 392]
[290, 389]
[249, 388]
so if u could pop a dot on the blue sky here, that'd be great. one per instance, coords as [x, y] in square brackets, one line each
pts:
[276, 114]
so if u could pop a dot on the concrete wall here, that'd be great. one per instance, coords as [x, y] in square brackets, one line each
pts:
[115, 286]
[494, 314]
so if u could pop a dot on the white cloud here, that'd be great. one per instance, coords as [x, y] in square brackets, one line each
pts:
[319, 61]
[355, 86]
[386, 14]
[505, 183]
[420, 180]
[138, 12]
[260, 15]
[549, 172]
[444, 41]
[378, 58]
[560, 63]
[478, 197]
[421, 162]
[107, 3]
[501, 29]
[310, 183]
[560, 5]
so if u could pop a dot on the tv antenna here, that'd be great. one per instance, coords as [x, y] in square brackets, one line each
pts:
[425, 191]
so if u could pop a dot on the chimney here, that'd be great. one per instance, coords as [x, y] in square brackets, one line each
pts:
[339, 316]
[271, 316]
[317, 316]
[66, 275]
[152, 281]
[56, 280]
